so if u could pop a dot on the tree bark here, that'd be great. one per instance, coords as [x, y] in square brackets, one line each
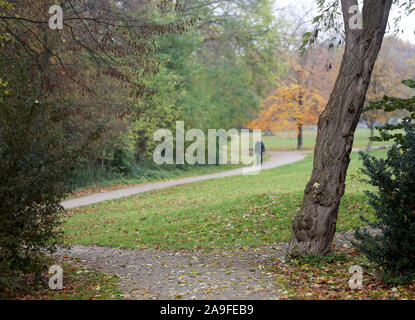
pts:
[299, 137]
[314, 226]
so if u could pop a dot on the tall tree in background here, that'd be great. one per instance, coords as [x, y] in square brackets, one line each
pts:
[290, 107]
[239, 56]
[219, 70]
[386, 81]
[299, 101]
[313, 228]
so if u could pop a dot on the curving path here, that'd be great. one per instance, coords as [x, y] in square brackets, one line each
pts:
[277, 159]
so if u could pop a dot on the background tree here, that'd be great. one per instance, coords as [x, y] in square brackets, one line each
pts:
[299, 97]
[215, 74]
[386, 80]
[289, 108]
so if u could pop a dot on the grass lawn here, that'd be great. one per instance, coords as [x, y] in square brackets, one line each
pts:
[288, 140]
[223, 213]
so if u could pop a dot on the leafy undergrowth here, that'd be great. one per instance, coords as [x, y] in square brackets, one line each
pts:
[328, 278]
[79, 283]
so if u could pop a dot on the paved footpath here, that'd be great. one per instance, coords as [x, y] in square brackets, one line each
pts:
[277, 159]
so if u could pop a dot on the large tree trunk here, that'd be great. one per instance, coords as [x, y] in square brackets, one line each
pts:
[314, 226]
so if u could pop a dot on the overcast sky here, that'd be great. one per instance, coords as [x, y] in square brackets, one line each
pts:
[407, 24]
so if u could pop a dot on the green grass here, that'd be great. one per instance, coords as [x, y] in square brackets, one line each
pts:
[288, 140]
[231, 212]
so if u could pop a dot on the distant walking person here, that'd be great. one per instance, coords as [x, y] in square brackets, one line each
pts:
[259, 150]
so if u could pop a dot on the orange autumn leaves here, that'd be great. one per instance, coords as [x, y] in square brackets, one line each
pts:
[305, 88]
[289, 107]
[302, 95]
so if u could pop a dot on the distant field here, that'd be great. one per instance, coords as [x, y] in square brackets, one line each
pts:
[288, 140]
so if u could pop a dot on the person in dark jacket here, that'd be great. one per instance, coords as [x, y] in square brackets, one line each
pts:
[259, 150]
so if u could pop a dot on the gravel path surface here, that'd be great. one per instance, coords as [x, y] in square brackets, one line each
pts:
[244, 273]
[277, 159]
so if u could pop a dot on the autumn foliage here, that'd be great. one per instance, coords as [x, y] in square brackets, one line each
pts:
[288, 108]
[296, 103]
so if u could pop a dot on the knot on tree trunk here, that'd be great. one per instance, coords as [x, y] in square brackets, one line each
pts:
[313, 230]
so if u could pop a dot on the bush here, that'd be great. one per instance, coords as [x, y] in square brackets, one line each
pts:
[390, 242]
[33, 168]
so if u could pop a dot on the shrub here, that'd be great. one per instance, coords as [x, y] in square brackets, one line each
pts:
[390, 242]
[33, 168]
